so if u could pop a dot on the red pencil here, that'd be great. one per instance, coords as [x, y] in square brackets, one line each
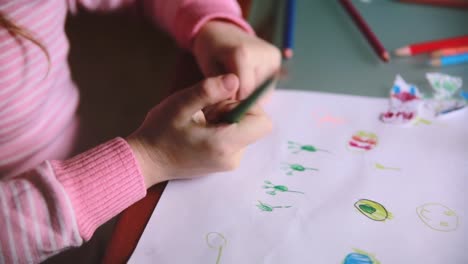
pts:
[365, 30]
[442, 3]
[430, 46]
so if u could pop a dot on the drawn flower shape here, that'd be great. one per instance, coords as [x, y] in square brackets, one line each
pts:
[216, 241]
[373, 210]
[297, 147]
[277, 188]
[269, 208]
[438, 217]
[295, 167]
[362, 141]
[360, 257]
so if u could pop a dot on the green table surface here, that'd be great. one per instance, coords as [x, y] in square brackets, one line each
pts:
[331, 54]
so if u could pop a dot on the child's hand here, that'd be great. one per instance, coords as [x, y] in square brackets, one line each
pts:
[221, 47]
[177, 140]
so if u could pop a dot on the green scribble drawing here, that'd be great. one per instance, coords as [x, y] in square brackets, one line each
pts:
[268, 208]
[382, 167]
[277, 188]
[297, 147]
[294, 167]
[445, 88]
[216, 241]
[373, 210]
[360, 257]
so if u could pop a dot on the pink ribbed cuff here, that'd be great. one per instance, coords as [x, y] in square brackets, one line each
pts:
[101, 183]
[190, 19]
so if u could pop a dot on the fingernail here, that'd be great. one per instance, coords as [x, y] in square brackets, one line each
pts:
[230, 82]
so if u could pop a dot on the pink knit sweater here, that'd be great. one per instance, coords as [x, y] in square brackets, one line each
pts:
[48, 204]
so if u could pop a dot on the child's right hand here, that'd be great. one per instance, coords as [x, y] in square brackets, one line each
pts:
[177, 140]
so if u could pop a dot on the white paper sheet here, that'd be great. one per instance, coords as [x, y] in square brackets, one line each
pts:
[418, 173]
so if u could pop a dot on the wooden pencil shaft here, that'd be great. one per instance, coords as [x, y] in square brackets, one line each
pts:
[454, 59]
[450, 51]
[429, 46]
[288, 38]
[365, 29]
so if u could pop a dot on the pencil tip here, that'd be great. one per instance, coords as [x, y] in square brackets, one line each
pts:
[405, 51]
[288, 53]
[386, 56]
[436, 54]
[435, 62]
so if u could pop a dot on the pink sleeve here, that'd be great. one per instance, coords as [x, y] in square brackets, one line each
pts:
[181, 18]
[100, 5]
[184, 18]
[59, 204]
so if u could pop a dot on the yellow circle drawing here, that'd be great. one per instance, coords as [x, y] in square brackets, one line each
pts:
[438, 217]
[216, 241]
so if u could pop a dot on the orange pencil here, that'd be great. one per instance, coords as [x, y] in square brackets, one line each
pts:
[450, 60]
[449, 52]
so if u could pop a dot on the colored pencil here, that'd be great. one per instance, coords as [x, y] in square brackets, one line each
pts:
[366, 30]
[288, 31]
[441, 3]
[450, 60]
[449, 52]
[236, 114]
[423, 47]
[452, 110]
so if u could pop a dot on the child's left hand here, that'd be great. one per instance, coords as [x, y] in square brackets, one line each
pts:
[221, 47]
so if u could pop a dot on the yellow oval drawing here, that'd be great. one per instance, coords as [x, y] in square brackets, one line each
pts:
[438, 217]
[372, 210]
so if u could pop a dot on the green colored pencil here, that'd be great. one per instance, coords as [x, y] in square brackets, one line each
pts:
[236, 114]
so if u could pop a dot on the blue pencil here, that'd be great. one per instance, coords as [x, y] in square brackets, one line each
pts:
[288, 37]
[450, 60]
[452, 110]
